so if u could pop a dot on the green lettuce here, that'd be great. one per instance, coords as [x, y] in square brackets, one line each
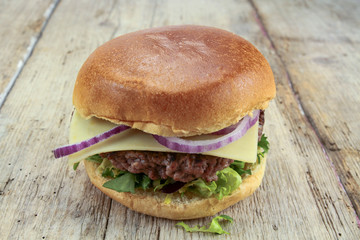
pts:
[239, 166]
[160, 183]
[124, 183]
[75, 166]
[107, 170]
[214, 227]
[128, 182]
[228, 181]
[95, 158]
[263, 145]
[143, 181]
[200, 187]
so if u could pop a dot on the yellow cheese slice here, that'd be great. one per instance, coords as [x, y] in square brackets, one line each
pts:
[244, 149]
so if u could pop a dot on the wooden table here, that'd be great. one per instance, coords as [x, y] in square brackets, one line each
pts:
[311, 188]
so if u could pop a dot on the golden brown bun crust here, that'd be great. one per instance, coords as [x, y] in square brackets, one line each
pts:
[174, 81]
[152, 203]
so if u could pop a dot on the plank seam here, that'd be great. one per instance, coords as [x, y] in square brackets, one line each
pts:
[158, 234]
[107, 219]
[307, 116]
[29, 50]
[320, 204]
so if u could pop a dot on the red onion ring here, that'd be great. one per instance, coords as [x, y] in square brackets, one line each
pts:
[228, 129]
[190, 146]
[73, 148]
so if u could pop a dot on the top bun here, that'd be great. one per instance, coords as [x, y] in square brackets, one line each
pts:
[174, 81]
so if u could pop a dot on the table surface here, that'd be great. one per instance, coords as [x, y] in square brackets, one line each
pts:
[311, 189]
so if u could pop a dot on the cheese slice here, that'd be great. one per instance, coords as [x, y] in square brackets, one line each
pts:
[244, 149]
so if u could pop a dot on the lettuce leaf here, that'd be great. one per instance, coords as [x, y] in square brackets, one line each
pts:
[239, 166]
[214, 227]
[200, 187]
[243, 171]
[105, 163]
[95, 158]
[143, 181]
[128, 182]
[159, 184]
[124, 183]
[106, 169]
[75, 166]
[108, 173]
[264, 145]
[228, 181]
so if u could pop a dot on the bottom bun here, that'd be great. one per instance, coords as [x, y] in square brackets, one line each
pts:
[180, 208]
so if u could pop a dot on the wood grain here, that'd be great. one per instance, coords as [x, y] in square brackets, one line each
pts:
[21, 25]
[41, 198]
[319, 50]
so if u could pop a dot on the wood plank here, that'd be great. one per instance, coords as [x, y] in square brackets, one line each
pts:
[320, 52]
[38, 195]
[41, 197]
[21, 26]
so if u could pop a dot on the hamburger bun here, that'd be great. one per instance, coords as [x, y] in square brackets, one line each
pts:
[174, 81]
[180, 208]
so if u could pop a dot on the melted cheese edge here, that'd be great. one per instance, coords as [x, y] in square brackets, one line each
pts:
[244, 149]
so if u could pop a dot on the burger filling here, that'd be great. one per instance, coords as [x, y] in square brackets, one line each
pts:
[180, 167]
[171, 172]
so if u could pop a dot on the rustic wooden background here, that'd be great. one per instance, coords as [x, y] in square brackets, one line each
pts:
[311, 188]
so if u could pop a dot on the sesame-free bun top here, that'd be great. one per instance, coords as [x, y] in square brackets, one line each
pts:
[174, 81]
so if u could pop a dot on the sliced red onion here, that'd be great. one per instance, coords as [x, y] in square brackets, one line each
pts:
[73, 148]
[190, 146]
[228, 129]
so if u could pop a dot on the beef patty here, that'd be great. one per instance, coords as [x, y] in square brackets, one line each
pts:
[181, 167]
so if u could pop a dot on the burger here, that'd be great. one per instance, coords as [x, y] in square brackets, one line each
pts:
[168, 121]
